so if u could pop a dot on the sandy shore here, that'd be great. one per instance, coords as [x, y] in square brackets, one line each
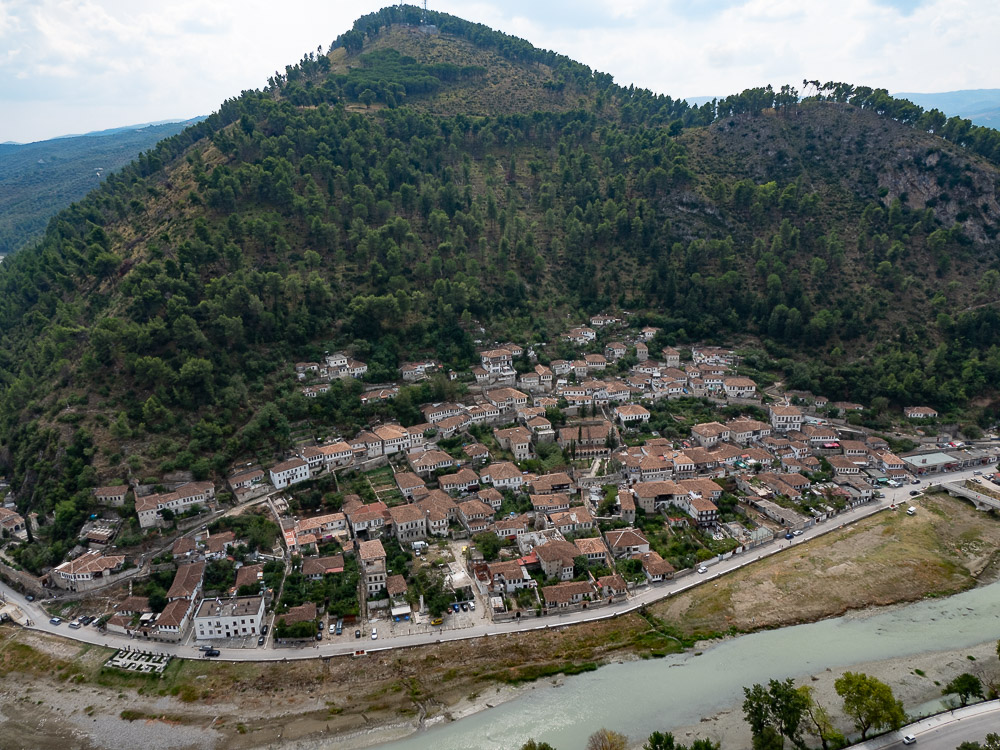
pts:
[379, 734]
[729, 728]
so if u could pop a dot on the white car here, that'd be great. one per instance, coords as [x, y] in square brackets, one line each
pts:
[374, 634]
[797, 532]
[702, 569]
[909, 740]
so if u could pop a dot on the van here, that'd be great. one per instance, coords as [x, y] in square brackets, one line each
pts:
[911, 511]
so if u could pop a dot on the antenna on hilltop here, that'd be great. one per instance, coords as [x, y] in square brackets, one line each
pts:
[423, 18]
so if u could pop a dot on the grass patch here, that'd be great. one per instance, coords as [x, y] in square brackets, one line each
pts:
[532, 672]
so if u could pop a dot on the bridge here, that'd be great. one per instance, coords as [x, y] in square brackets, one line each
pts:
[979, 499]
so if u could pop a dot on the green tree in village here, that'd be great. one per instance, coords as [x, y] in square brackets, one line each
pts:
[869, 703]
[775, 713]
[607, 739]
[666, 741]
[819, 723]
[964, 686]
[992, 742]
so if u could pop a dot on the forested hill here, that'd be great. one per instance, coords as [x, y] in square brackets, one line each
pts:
[374, 199]
[39, 179]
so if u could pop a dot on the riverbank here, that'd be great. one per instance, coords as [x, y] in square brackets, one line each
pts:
[362, 702]
[915, 680]
[886, 559]
[301, 704]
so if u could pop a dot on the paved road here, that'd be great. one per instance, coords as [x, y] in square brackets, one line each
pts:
[950, 736]
[346, 644]
[944, 731]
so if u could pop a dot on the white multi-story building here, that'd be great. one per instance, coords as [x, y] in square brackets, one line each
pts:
[785, 418]
[289, 472]
[230, 618]
[150, 508]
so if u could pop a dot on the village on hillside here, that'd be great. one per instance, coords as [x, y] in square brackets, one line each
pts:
[543, 488]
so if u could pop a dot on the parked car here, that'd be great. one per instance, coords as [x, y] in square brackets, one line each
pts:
[340, 627]
[465, 606]
[437, 620]
[916, 481]
[374, 634]
[911, 511]
[909, 740]
[56, 621]
[29, 597]
[789, 535]
[797, 532]
[702, 569]
[455, 607]
[319, 636]
[357, 633]
[75, 624]
[472, 606]
[260, 640]
[209, 653]
[914, 493]
[263, 630]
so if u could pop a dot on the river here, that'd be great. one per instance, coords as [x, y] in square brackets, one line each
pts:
[642, 696]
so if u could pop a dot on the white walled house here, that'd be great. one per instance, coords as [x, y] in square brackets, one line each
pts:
[229, 618]
[150, 507]
[289, 472]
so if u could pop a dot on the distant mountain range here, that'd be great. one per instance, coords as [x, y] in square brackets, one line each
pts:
[109, 131]
[39, 179]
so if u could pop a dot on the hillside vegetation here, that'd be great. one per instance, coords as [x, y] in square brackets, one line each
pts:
[398, 194]
[39, 179]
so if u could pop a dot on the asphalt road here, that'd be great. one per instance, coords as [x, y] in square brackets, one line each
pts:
[950, 736]
[480, 626]
[944, 731]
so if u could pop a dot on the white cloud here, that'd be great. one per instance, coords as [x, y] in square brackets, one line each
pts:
[72, 65]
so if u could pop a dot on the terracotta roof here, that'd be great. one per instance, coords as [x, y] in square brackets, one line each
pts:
[173, 614]
[622, 538]
[372, 550]
[247, 575]
[564, 592]
[301, 613]
[395, 585]
[313, 566]
[91, 562]
[186, 580]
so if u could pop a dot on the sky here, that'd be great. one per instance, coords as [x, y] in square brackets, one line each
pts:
[72, 66]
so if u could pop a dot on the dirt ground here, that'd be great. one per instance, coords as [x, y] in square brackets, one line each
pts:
[885, 559]
[55, 694]
[71, 699]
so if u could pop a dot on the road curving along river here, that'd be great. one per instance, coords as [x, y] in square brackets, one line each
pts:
[642, 696]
